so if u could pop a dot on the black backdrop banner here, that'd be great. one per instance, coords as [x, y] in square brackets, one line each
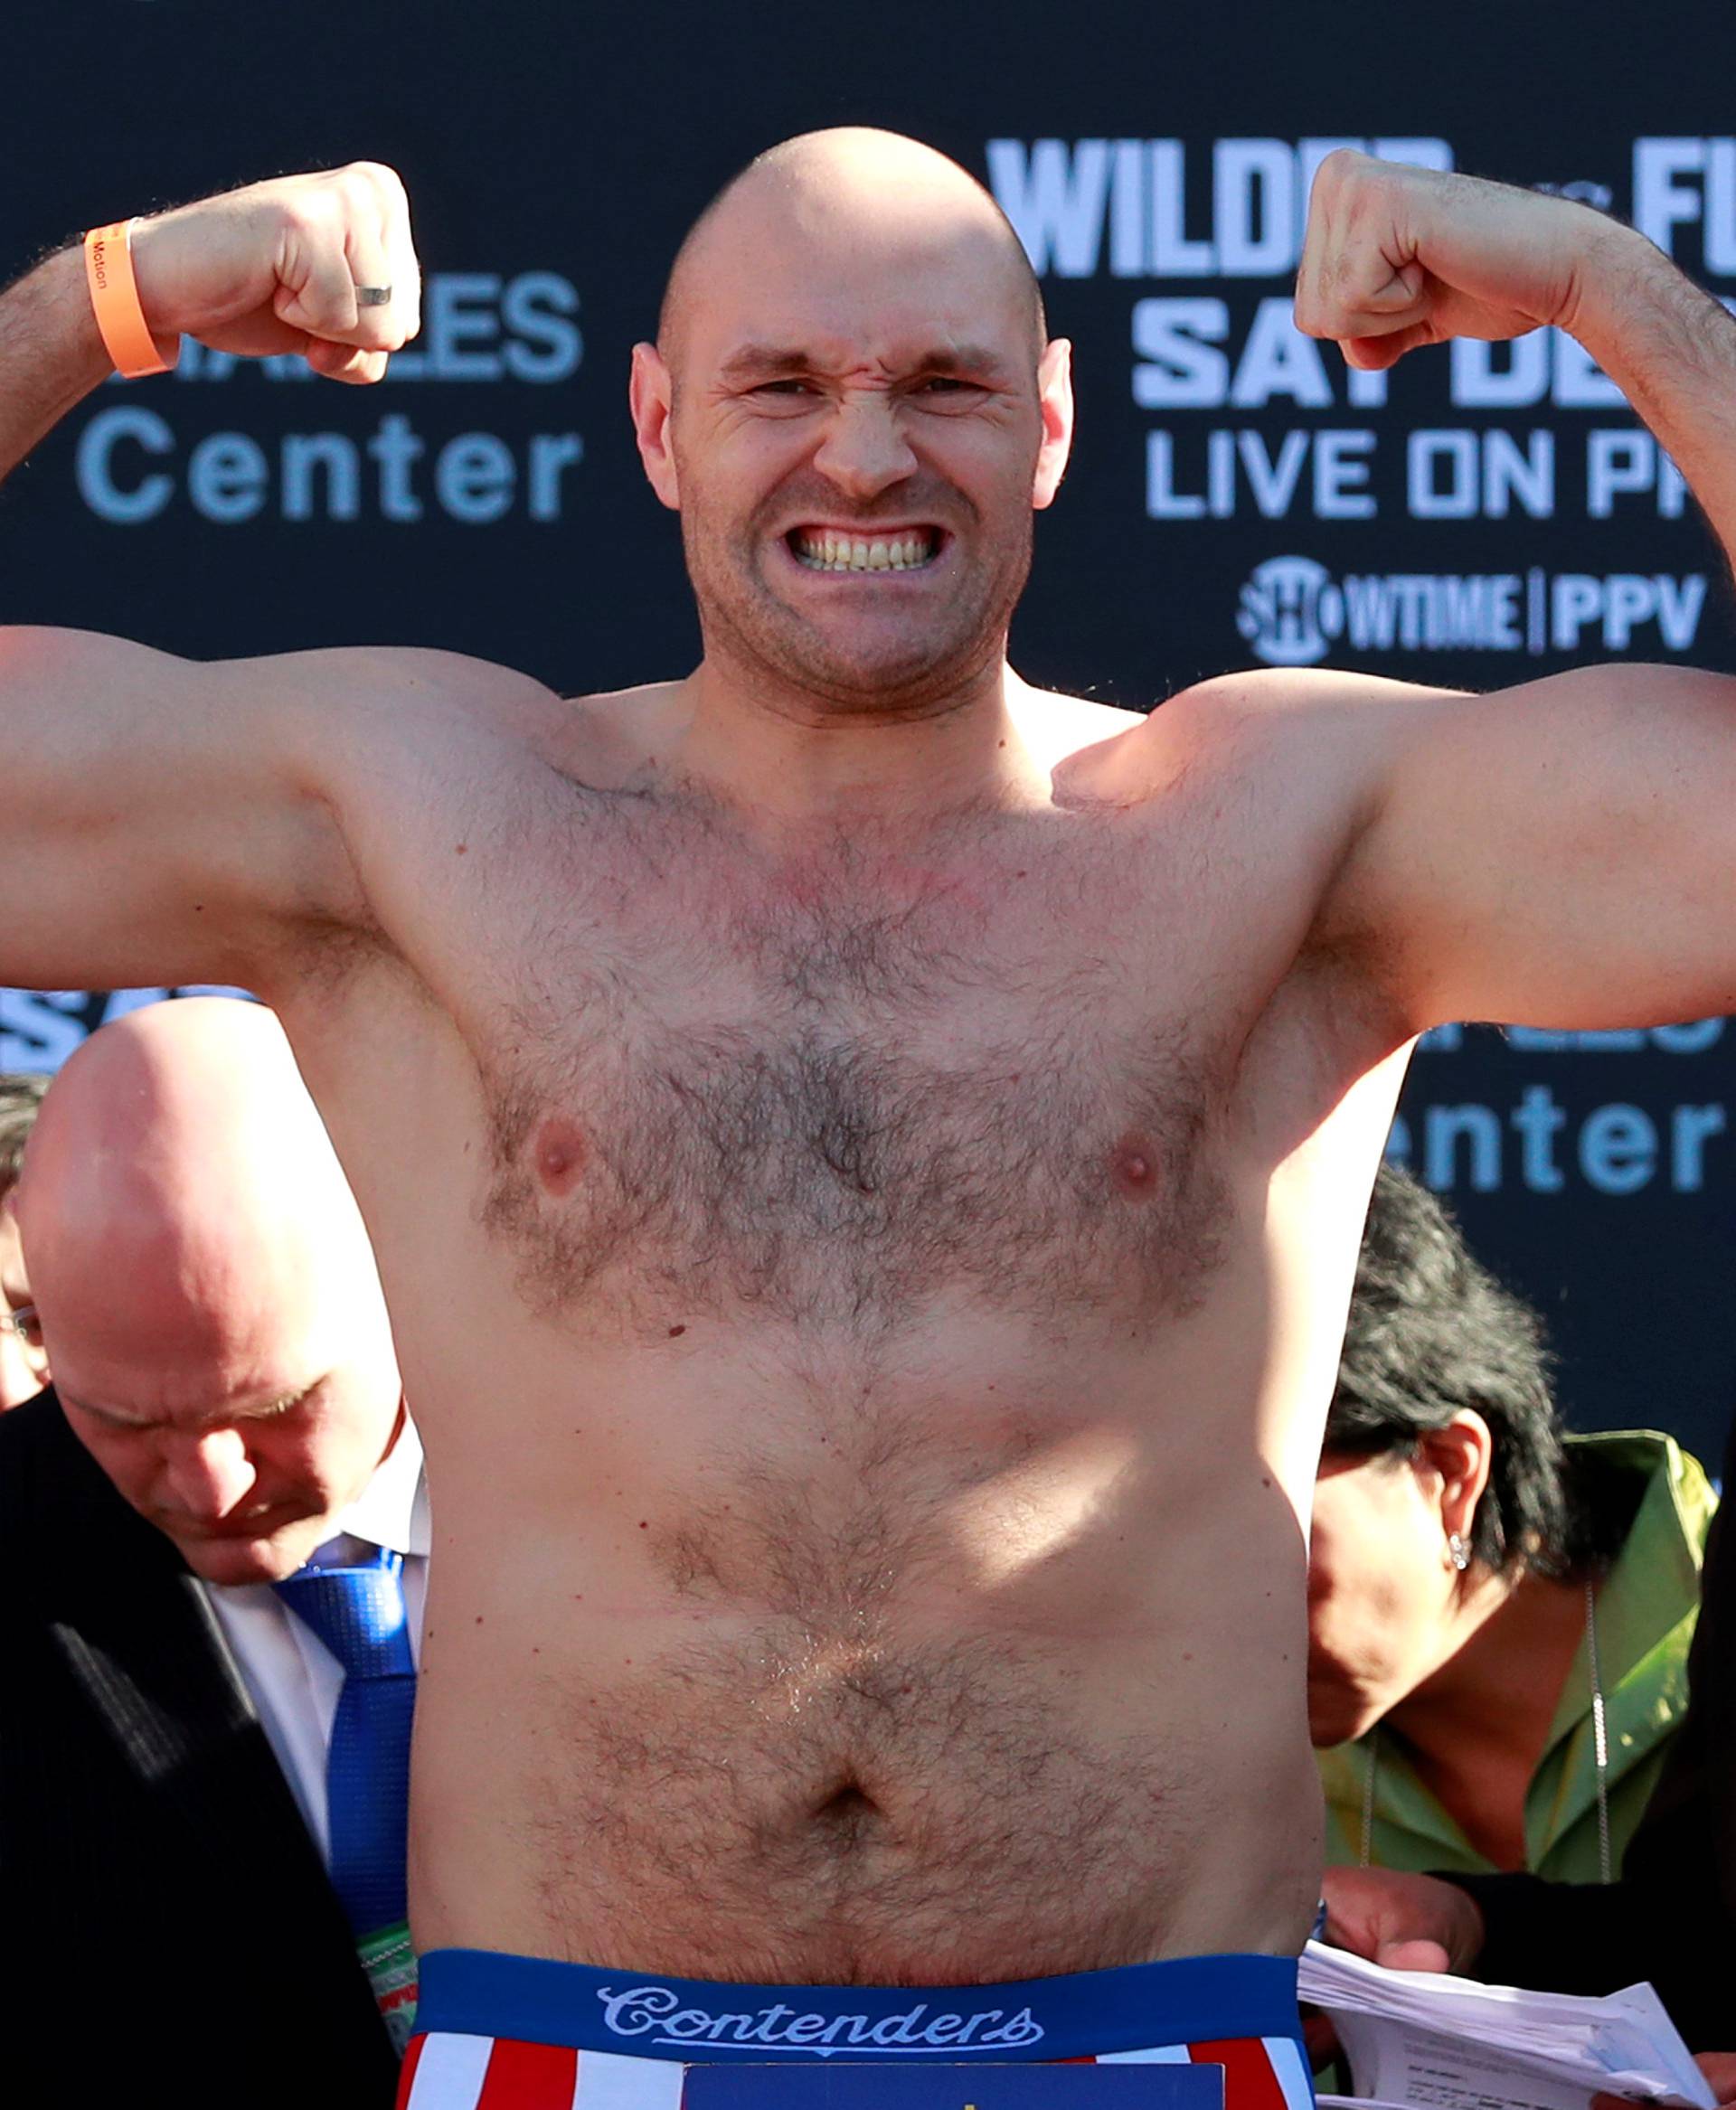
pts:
[1481, 516]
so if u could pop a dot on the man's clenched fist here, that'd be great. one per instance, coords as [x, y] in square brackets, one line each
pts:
[1397, 257]
[275, 267]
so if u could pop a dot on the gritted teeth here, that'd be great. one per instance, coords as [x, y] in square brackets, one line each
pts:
[826, 550]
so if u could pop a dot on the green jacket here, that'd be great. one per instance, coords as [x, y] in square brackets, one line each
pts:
[1646, 1609]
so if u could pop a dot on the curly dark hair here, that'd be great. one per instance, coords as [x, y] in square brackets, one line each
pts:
[1432, 1331]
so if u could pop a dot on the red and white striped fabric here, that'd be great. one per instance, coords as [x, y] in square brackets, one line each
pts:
[448, 2072]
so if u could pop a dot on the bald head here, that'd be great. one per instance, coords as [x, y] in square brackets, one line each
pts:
[208, 1295]
[848, 192]
[178, 1167]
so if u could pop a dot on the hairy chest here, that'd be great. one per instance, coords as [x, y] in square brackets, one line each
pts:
[833, 1086]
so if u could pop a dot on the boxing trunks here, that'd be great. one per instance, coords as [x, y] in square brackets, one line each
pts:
[501, 2032]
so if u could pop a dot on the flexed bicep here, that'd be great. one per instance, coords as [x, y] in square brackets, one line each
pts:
[160, 824]
[1562, 853]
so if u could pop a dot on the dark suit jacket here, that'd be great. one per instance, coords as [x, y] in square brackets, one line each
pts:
[164, 1919]
[1672, 1918]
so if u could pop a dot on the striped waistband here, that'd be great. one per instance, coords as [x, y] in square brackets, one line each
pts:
[483, 1993]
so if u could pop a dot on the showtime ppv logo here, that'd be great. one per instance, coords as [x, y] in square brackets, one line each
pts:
[655, 2013]
[1293, 611]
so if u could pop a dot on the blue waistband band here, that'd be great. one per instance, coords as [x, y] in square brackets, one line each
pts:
[1191, 2000]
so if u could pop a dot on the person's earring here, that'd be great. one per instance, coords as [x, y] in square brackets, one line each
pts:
[1458, 1551]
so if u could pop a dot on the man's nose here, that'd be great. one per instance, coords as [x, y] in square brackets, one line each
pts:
[864, 451]
[212, 1474]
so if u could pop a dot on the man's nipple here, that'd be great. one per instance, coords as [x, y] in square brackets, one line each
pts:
[1133, 1166]
[558, 1154]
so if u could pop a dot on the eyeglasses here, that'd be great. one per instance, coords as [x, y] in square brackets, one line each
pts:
[22, 1320]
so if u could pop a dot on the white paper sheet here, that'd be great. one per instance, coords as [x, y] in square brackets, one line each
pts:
[1422, 2041]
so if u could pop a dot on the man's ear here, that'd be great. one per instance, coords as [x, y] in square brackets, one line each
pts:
[1457, 1458]
[651, 393]
[1055, 399]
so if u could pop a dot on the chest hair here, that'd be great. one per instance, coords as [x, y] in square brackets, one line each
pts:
[828, 1089]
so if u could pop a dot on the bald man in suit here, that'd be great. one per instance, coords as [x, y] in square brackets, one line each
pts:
[227, 1406]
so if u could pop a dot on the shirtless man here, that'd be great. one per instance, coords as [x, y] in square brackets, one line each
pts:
[867, 1158]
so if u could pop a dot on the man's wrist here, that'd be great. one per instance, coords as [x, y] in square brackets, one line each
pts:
[114, 296]
[148, 273]
[1616, 280]
[59, 321]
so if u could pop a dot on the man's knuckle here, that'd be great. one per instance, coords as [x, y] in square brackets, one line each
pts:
[310, 215]
[378, 178]
[1339, 167]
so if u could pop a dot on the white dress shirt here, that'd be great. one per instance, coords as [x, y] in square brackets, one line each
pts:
[291, 1676]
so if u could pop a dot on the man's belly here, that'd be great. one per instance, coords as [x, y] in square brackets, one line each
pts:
[909, 1779]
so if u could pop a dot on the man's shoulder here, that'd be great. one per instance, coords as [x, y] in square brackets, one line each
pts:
[366, 682]
[42, 1461]
[441, 703]
[37, 1439]
[1277, 696]
[1334, 727]
[34, 1431]
[1309, 720]
[49, 1483]
[68, 1538]
[337, 710]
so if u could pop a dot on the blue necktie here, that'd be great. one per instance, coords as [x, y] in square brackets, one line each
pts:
[359, 1614]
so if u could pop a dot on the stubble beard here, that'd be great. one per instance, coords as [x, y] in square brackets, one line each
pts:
[747, 624]
[251, 1561]
[275, 1553]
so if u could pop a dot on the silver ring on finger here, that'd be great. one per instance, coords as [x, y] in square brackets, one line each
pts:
[372, 296]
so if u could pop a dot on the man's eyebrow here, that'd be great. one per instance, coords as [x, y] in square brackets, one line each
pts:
[100, 1413]
[961, 359]
[766, 359]
[771, 362]
[220, 1418]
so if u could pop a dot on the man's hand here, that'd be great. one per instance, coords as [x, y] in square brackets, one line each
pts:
[1397, 257]
[275, 267]
[1408, 1923]
[1719, 2069]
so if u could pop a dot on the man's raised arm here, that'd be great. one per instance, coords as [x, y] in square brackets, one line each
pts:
[156, 825]
[1563, 854]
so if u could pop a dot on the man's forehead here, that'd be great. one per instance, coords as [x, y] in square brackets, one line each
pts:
[854, 277]
[860, 318]
[167, 1366]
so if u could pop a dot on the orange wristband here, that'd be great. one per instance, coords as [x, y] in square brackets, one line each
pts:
[114, 295]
